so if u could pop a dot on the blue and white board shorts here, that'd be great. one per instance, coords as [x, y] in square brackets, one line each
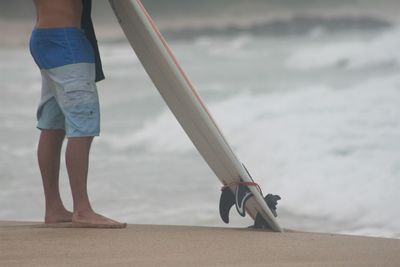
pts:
[69, 98]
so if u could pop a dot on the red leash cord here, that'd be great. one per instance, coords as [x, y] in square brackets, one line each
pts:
[242, 183]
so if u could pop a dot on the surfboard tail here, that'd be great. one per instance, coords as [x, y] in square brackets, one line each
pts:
[238, 195]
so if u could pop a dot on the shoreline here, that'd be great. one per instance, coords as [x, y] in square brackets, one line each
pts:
[35, 244]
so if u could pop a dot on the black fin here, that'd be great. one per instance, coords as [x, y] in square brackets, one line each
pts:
[260, 222]
[272, 201]
[226, 201]
[243, 194]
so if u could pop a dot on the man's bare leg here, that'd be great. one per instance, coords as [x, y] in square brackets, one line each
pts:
[49, 151]
[77, 159]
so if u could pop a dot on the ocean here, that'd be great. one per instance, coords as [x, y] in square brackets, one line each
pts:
[310, 104]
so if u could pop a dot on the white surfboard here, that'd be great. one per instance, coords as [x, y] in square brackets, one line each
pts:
[188, 108]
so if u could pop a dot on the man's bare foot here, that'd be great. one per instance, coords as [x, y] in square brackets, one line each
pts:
[58, 216]
[90, 219]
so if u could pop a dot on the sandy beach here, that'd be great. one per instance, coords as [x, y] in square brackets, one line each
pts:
[33, 244]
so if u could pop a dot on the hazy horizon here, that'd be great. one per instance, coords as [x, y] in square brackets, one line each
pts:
[23, 9]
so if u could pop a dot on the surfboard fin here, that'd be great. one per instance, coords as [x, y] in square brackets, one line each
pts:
[227, 200]
[242, 194]
[272, 201]
[239, 195]
[237, 198]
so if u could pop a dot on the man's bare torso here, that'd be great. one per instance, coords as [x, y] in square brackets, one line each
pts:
[58, 13]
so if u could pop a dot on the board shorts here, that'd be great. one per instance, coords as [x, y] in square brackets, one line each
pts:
[69, 98]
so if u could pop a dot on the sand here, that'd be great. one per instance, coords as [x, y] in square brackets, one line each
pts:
[32, 244]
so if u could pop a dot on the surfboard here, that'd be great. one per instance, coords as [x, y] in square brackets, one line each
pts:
[177, 90]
